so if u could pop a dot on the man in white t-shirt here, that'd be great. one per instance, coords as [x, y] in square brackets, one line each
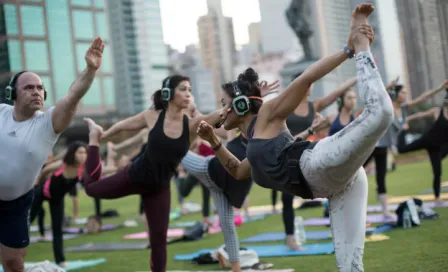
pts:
[27, 136]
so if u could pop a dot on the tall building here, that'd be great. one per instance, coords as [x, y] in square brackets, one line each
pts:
[51, 38]
[255, 36]
[217, 44]
[424, 27]
[140, 55]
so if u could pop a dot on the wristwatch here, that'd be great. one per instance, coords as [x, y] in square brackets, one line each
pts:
[349, 52]
[311, 131]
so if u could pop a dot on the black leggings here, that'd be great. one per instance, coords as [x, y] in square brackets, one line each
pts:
[57, 216]
[288, 213]
[274, 197]
[41, 221]
[187, 185]
[380, 156]
[436, 154]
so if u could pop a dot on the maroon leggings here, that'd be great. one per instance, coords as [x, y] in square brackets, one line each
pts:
[156, 203]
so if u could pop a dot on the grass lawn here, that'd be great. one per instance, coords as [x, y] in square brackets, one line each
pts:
[420, 249]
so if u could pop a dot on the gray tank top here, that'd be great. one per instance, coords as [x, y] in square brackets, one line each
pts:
[297, 124]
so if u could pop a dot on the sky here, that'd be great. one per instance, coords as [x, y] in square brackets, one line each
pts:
[179, 19]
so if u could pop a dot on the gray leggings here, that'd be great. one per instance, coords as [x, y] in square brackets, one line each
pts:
[198, 166]
[334, 169]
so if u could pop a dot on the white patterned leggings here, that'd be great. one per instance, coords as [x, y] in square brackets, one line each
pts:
[198, 167]
[334, 169]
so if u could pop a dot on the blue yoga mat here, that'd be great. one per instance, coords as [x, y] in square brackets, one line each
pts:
[310, 235]
[75, 265]
[272, 251]
[280, 236]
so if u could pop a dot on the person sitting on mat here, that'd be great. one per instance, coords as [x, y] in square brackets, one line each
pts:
[432, 140]
[66, 174]
[330, 168]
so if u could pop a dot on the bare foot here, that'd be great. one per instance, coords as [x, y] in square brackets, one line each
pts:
[63, 264]
[95, 131]
[389, 215]
[359, 19]
[291, 243]
[439, 202]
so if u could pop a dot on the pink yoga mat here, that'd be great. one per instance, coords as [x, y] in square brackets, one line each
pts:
[393, 207]
[372, 218]
[144, 235]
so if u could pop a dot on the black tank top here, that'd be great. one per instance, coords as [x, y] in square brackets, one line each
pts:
[157, 164]
[437, 134]
[59, 186]
[297, 124]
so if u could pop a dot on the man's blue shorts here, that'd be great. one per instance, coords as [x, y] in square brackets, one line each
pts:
[14, 221]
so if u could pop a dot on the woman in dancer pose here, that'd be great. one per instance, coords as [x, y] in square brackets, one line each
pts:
[330, 168]
[66, 174]
[432, 140]
[402, 106]
[298, 121]
[169, 138]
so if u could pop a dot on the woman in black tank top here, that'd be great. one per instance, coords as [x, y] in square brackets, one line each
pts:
[65, 175]
[297, 122]
[434, 140]
[169, 138]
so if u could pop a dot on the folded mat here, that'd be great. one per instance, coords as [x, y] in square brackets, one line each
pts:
[377, 238]
[72, 265]
[310, 235]
[144, 235]
[93, 247]
[80, 221]
[49, 236]
[185, 224]
[371, 218]
[393, 207]
[84, 230]
[271, 251]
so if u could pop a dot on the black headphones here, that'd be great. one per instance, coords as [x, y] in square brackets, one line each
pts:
[340, 101]
[167, 92]
[393, 92]
[11, 89]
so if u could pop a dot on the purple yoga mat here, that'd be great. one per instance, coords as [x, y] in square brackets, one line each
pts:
[84, 230]
[393, 207]
[372, 218]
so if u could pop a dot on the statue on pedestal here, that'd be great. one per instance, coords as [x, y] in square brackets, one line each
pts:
[296, 15]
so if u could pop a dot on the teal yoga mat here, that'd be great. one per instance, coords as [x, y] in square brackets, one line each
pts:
[74, 265]
[272, 251]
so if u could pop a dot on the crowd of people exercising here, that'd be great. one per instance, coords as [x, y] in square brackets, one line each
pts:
[252, 139]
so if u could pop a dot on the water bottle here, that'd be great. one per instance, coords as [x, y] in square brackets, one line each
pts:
[299, 233]
[407, 222]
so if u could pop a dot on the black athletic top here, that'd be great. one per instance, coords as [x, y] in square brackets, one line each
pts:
[436, 134]
[269, 158]
[158, 163]
[297, 124]
[235, 190]
[57, 186]
[336, 126]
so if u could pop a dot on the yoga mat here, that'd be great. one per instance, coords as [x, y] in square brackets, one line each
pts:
[80, 221]
[183, 224]
[268, 208]
[245, 270]
[192, 207]
[36, 228]
[393, 207]
[72, 265]
[371, 218]
[430, 197]
[91, 247]
[175, 215]
[310, 235]
[84, 230]
[35, 239]
[377, 238]
[430, 191]
[144, 235]
[272, 251]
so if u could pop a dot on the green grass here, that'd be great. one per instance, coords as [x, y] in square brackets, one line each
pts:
[419, 249]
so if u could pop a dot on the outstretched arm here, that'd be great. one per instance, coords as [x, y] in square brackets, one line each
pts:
[212, 118]
[322, 103]
[431, 113]
[319, 123]
[135, 122]
[65, 109]
[426, 95]
[139, 138]
[240, 170]
[50, 168]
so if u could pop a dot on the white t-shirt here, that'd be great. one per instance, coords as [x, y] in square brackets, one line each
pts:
[24, 147]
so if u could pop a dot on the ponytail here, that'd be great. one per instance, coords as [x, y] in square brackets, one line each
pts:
[158, 102]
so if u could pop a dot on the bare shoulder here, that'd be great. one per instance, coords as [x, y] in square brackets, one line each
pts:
[151, 117]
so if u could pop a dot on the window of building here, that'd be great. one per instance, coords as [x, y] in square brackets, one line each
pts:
[102, 25]
[99, 3]
[36, 56]
[83, 23]
[81, 49]
[10, 13]
[109, 91]
[84, 3]
[33, 22]
[61, 47]
[93, 96]
[106, 65]
[15, 55]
